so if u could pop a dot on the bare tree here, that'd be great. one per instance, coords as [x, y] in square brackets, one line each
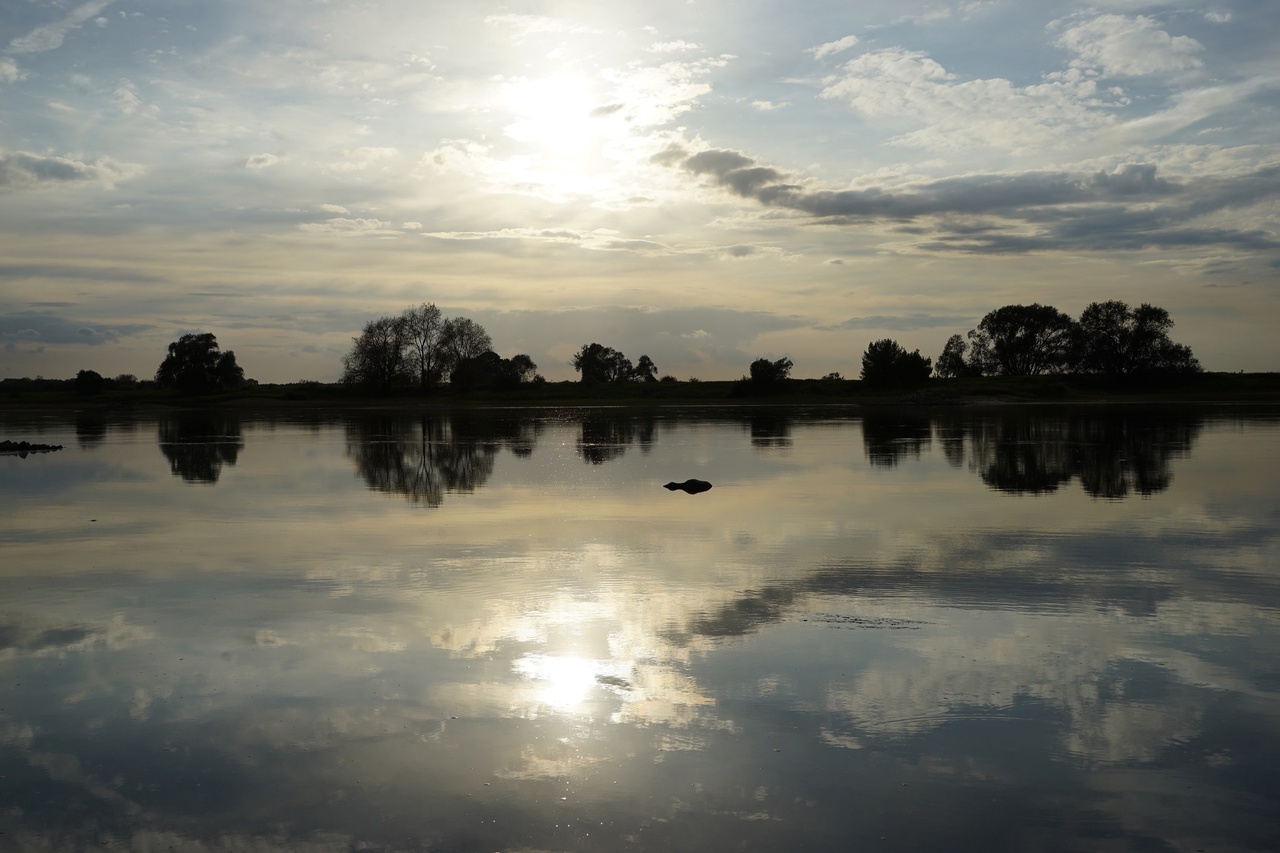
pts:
[424, 333]
[462, 339]
[377, 356]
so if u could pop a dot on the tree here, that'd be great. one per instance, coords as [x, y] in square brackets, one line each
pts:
[598, 363]
[424, 333]
[195, 365]
[766, 372]
[377, 356]
[1117, 340]
[952, 364]
[460, 339]
[89, 382]
[645, 370]
[886, 364]
[490, 370]
[1022, 340]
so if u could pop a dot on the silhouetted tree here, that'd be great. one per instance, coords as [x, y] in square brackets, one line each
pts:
[1022, 340]
[1117, 340]
[424, 338]
[598, 363]
[196, 365]
[886, 364]
[463, 338]
[766, 372]
[490, 370]
[645, 370]
[377, 356]
[951, 363]
[89, 382]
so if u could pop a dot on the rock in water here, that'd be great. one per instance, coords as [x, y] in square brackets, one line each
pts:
[693, 487]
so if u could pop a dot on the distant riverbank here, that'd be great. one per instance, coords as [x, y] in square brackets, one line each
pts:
[991, 390]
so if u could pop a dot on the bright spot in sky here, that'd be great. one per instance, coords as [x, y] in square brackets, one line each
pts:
[554, 112]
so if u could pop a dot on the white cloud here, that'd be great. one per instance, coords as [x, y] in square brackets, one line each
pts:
[899, 85]
[334, 208]
[343, 225]
[126, 98]
[51, 36]
[673, 46]
[9, 71]
[359, 159]
[833, 47]
[527, 25]
[1118, 46]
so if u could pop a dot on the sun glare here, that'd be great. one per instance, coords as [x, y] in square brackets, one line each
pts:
[562, 683]
[558, 113]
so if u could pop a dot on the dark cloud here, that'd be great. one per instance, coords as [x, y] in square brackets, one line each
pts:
[1132, 207]
[51, 329]
[23, 170]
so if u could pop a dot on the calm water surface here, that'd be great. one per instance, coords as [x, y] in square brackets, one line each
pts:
[964, 630]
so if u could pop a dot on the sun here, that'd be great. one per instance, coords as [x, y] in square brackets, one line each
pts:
[559, 113]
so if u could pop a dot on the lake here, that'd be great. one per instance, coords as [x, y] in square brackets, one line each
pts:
[979, 629]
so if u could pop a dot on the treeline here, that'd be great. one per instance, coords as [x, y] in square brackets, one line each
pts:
[1110, 339]
[422, 347]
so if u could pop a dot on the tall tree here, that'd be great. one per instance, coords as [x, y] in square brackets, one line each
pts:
[645, 370]
[377, 356]
[196, 365]
[952, 364]
[460, 339]
[1117, 340]
[1023, 340]
[424, 333]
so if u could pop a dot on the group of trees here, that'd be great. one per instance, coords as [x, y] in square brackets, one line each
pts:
[598, 363]
[1110, 338]
[422, 347]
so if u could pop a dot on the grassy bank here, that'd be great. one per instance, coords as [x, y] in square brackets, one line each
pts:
[1207, 387]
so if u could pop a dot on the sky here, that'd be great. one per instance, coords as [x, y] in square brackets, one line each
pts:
[706, 183]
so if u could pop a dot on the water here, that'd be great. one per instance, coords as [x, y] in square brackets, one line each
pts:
[990, 629]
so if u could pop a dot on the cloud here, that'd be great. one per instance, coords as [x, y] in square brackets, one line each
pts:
[1118, 46]
[903, 322]
[345, 225]
[47, 328]
[261, 161]
[896, 85]
[677, 46]
[51, 36]
[1129, 207]
[20, 170]
[833, 47]
[528, 25]
[9, 71]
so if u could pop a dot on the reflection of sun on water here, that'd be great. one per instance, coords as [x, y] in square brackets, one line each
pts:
[563, 683]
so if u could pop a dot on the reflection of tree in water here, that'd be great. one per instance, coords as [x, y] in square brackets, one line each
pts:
[889, 439]
[1113, 453]
[607, 435]
[424, 457]
[770, 429]
[198, 444]
[91, 429]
